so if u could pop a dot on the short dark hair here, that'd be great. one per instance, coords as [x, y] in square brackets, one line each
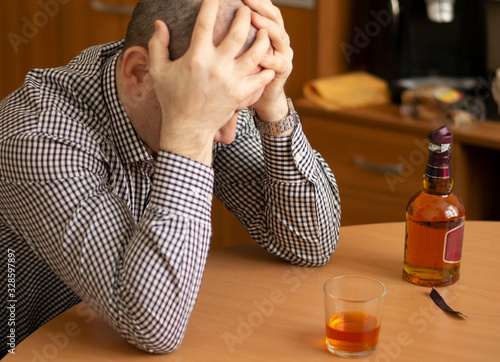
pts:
[180, 17]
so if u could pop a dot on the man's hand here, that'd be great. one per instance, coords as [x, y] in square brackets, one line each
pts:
[199, 92]
[272, 105]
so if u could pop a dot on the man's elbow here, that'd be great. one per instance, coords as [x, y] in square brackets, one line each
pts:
[315, 256]
[328, 241]
[324, 251]
[323, 258]
[163, 338]
[158, 345]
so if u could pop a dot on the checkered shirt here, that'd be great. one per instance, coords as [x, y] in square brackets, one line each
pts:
[90, 215]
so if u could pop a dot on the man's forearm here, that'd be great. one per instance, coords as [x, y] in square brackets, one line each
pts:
[286, 198]
[164, 267]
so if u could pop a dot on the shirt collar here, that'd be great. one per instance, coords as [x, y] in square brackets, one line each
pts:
[129, 146]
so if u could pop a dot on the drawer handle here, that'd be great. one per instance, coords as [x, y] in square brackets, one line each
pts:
[111, 9]
[375, 167]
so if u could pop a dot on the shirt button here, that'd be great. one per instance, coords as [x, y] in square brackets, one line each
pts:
[298, 157]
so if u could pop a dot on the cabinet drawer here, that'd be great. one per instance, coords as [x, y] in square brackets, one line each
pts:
[368, 159]
[366, 208]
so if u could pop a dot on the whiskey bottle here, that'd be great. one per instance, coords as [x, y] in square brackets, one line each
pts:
[435, 219]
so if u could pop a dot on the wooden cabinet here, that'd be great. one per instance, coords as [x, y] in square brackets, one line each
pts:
[29, 40]
[91, 22]
[316, 36]
[372, 167]
[49, 33]
[379, 159]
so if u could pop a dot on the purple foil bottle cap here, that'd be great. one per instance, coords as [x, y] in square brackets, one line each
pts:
[440, 140]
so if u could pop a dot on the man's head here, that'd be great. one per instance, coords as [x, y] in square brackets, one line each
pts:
[135, 86]
[180, 17]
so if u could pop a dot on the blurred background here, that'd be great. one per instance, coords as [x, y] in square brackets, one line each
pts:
[395, 39]
[372, 151]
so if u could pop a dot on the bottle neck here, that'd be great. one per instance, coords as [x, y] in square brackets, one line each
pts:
[436, 186]
[438, 177]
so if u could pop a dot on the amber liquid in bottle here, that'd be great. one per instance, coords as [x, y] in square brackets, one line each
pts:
[435, 220]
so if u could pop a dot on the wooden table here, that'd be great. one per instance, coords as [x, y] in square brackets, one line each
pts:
[253, 307]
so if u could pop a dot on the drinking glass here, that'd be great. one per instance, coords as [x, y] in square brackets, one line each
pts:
[353, 313]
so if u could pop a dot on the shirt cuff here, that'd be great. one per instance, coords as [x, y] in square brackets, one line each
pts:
[182, 186]
[289, 158]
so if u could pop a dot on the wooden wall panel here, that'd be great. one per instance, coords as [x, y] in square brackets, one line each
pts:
[28, 39]
[333, 26]
[299, 24]
[91, 22]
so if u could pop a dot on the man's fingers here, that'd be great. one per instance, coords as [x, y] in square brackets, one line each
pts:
[267, 16]
[203, 31]
[254, 55]
[279, 38]
[158, 45]
[266, 9]
[257, 81]
[276, 63]
[237, 36]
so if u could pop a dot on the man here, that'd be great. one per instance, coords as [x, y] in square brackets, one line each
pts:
[108, 166]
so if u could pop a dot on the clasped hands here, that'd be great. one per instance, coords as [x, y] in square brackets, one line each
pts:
[201, 92]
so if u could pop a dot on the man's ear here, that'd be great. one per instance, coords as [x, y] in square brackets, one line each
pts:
[134, 71]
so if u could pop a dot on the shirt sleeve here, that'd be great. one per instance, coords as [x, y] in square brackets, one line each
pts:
[282, 191]
[144, 277]
[163, 267]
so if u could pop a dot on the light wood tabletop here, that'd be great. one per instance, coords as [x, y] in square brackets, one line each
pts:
[254, 307]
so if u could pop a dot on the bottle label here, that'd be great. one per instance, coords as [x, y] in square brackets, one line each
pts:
[453, 241]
